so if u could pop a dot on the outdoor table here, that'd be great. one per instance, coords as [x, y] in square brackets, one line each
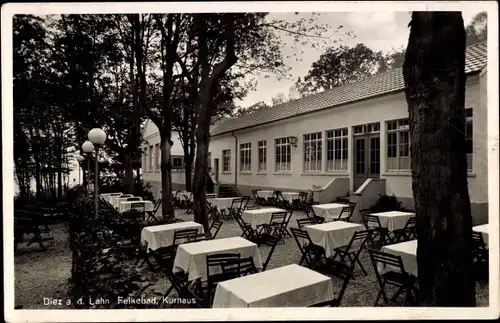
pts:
[408, 252]
[191, 257]
[108, 196]
[158, 236]
[125, 206]
[116, 200]
[331, 235]
[329, 211]
[483, 229]
[222, 202]
[260, 216]
[393, 220]
[209, 196]
[287, 286]
[290, 196]
[265, 194]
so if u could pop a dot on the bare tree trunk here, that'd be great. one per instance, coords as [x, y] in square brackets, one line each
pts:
[129, 173]
[166, 177]
[434, 73]
[188, 167]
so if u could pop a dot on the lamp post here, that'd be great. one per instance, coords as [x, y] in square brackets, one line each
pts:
[88, 148]
[79, 159]
[97, 137]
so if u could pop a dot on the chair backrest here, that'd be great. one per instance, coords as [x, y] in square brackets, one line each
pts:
[303, 222]
[279, 195]
[478, 241]
[303, 196]
[255, 194]
[387, 259]
[278, 219]
[185, 235]
[298, 235]
[310, 213]
[126, 195]
[236, 204]
[245, 201]
[157, 205]
[138, 206]
[217, 224]
[371, 221]
[346, 213]
[135, 198]
[362, 236]
[270, 241]
[186, 198]
[239, 267]
[288, 218]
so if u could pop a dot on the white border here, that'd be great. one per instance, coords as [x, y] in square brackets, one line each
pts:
[8, 10]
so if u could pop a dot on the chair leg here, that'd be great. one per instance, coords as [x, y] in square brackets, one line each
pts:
[361, 266]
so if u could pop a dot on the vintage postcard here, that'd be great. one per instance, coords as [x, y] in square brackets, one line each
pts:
[287, 160]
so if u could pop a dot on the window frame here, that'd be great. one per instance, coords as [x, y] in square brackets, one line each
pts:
[226, 154]
[246, 157]
[282, 158]
[315, 142]
[262, 156]
[333, 137]
[400, 131]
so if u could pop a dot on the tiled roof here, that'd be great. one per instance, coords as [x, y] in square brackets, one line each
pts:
[384, 83]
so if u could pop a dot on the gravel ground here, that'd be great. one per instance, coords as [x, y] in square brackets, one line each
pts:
[40, 275]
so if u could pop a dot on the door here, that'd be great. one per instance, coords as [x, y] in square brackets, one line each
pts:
[366, 153]
[216, 169]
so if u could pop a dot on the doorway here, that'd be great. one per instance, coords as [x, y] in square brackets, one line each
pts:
[366, 153]
[216, 169]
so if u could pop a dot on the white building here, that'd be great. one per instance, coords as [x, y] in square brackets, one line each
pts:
[351, 141]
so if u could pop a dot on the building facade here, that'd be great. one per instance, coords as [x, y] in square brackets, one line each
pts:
[351, 141]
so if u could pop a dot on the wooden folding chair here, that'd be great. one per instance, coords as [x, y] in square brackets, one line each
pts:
[349, 254]
[216, 261]
[313, 255]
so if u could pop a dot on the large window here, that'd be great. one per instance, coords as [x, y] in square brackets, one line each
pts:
[398, 145]
[283, 155]
[312, 152]
[246, 157]
[226, 160]
[178, 163]
[468, 137]
[158, 157]
[336, 149]
[150, 158]
[262, 155]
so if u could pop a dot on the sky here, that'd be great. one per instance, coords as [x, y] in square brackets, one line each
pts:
[380, 31]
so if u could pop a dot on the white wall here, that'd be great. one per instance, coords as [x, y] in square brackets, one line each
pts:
[380, 109]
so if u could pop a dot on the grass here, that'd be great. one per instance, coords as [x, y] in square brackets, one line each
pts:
[40, 275]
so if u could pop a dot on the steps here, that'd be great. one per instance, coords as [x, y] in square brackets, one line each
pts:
[227, 190]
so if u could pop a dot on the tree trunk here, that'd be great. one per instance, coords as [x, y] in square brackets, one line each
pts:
[129, 173]
[188, 166]
[166, 177]
[434, 73]
[201, 167]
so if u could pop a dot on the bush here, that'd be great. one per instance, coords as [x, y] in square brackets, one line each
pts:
[104, 256]
[387, 203]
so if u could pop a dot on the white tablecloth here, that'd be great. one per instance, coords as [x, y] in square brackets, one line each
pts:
[118, 200]
[483, 229]
[329, 211]
[108, 197]
[259, 216]
[222, 202]
[408, 252]
[393, 220]
[265, 194]
[125, 205]
[288, 286]
[331, 235]
[290, 196]
[158, 236]
[191, 257]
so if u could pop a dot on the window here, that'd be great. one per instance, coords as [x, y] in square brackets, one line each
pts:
[312, 152]
[246, 157]
[336, 149]
[398, 145]
[262, 155]
[468, 137]
[226, 160]
[178, 163]
[158, 157]
[283, 155]
[150, 158]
